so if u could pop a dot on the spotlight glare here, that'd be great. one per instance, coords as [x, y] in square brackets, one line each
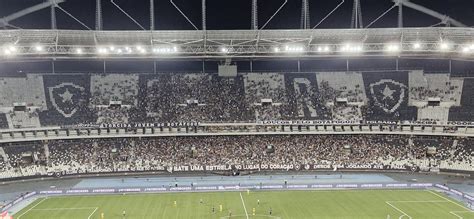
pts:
[326, 49]
[140, 49]
[276, 49]
[294, 48]
[79, 51]
[417, 45]
[468, 49]
[39, 48]
[393, 47]
[165, 50]
[224, 50]
[9, 50]
[352, 48]
[444, 46]
[102, 51]
[128, 49]
[12, 49]
[322, 49]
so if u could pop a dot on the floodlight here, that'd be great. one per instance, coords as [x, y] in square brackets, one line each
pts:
[352, 48]
[417, 45]
[102, 51]
[39, 48]
[468, 49]
[165, 49]
[12, 48]
[9, 50]
[444, 46]
[294, 48]
[224, 49]
[140, 49]
[322, 49]
[128, 50]
[392, 47]
[326, 49]
[79, 51]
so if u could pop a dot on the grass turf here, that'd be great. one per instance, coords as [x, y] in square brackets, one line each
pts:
[367, 204]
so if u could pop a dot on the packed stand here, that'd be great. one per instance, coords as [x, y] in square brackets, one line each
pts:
[465, 112]
[3, 121]
[147, 154]
[265, 87]
[24, 159]
[460, 156]
[196, 97]
[442, 86]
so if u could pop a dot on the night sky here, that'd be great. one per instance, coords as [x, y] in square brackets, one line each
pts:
[227, 14]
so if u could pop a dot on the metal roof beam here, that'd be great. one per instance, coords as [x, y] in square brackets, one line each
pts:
[444, 18]
[6, 20]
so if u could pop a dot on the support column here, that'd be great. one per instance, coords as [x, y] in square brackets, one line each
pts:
[305, 18]
[254, 24]
[98, 15]
[400, 15]
[204, 27]
[152, 14]
[53, 17]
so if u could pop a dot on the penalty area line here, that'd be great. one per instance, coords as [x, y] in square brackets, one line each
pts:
[21, 215]
[403, 213]
[464, 207]
[90, 215]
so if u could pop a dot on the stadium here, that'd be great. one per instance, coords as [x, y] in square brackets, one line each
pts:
[251, 109]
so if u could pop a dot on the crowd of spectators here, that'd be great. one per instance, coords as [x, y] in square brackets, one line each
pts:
[247, 97]
[147, 154]
[3, 121]
[442, 86]
[196, 97]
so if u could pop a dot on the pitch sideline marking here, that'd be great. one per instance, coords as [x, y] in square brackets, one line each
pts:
[464, 207]
[243, 204]
[453, 213]
[460, 217]
[404, 214]
[434, 201]
[58, 209]
[259, 215]
[32, 207]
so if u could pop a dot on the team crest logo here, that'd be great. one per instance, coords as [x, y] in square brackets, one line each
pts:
[388, 94]
[66, 98]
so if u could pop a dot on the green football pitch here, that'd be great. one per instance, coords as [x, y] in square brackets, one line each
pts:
[379, 204]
